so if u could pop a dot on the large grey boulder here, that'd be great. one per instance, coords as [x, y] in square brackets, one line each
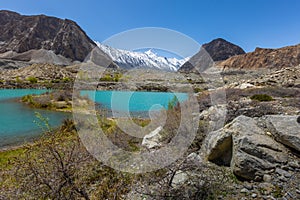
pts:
[244, 147]
[286, 130]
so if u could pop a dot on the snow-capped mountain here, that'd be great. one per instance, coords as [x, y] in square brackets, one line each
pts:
[128, 59]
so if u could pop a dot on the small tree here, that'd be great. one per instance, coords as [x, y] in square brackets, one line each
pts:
[173, 103]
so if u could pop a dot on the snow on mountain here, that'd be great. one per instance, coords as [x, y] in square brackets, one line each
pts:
[128, 59]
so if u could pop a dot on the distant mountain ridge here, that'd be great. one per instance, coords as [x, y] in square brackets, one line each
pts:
[41, 38]
[268, 58]
[129, 59]
[216, 50]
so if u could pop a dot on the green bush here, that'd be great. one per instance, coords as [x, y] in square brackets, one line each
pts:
[28, 99]
[32, 79]
[66, 79]
[173, 103]
[111, 78]
[18, 80]
[197, 90]
[106, 77]
[261, 97]
[55, 81]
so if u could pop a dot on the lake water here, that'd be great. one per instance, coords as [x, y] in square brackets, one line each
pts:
[133, 101]
[17, 121]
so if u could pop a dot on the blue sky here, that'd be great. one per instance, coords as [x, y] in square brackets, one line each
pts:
[248, 23]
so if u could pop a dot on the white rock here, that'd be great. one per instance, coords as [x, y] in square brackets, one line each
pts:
[245, 86]
[151, 140]
[179, 178]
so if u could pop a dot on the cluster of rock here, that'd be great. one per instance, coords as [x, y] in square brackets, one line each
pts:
[260, 149]
[242, 79]
[40, 71]
[286, 77]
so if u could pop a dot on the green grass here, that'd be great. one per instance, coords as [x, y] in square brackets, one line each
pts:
[6, 157]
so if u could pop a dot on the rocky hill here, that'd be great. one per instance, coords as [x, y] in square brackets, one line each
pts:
[220, 49]
[41, 38]
[216, 50]
[265, 58]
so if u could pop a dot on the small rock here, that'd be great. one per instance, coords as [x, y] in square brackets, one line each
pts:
[179, 178]
[266, 187]
[267, 178]
[283, 179]
[244, 190]
[290, 194]
[248, 186]
[294, 164]
[283, 173]
[257, 178]
[269, 198]
[298, 191]
[268, 133]
[254, 195]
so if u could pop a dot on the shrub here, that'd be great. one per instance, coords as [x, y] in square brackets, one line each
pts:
[173, 103]
[261, 97]
[55, 81]
[32, 79]
[28, 99]
[106, 77]
[18, 80]
[197, 90]
[66, 79]
[111, 77]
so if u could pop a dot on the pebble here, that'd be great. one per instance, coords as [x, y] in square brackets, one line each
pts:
[298, 191]
[283, 173]
[257, 178]
[290, 194]
[248, 186]
[267, 187]
[269, 197]
[254, 195]
[294, 165]
[244, 190]
[283, 179]
[267, 178]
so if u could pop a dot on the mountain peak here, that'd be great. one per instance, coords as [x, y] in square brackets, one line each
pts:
[22, 37]
[220, 49]
[150, 53]
[149, 59]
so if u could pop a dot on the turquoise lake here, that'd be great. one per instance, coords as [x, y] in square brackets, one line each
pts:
[18, 121]
[133, 101]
